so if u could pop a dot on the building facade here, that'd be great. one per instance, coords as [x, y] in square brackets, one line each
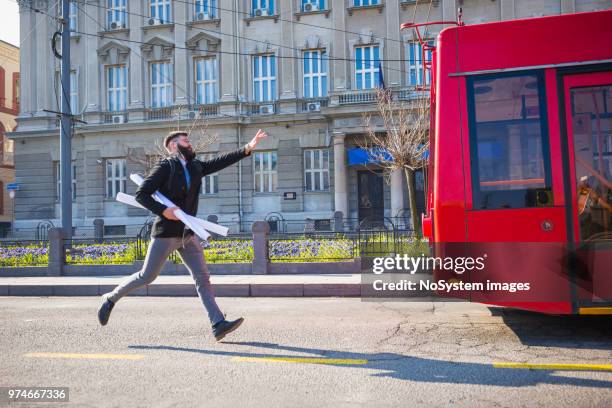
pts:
[9, 108]
[303, 70]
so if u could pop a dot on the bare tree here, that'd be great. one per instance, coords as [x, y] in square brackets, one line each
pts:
[198, 131]
[403, 142]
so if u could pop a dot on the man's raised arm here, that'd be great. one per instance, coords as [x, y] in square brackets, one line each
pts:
[223, 160]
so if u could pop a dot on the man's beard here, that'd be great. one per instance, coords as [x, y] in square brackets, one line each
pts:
[187, 152]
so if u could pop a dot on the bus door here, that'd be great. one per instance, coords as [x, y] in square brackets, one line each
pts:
[515, 197]
[588, 116]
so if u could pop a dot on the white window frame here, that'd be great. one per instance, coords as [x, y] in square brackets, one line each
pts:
[115, 183]
[161, 89]
[210, 182]
[116, 96]
[205, 6]
[364, 3]
[268, 177]
[321, 64]
[161, 6]
[58, 181]
[414, 62]
[320, 171]
[116, 12]
[72, 15]
[206, 89]
[320, 3]
[264, 81]
[262, 4]
[372, 69]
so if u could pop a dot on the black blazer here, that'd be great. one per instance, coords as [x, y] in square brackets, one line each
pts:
[176, 189]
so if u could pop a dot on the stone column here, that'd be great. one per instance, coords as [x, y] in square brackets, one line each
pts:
[340, 68]
[57, 254]
[98, 229]
[94, 75]
[392, 69]
[397, 192]
[136, 97]
[568, 6]
[507, 10]
[449, 10]
[180, 64]
[340, 185]
[261, 254]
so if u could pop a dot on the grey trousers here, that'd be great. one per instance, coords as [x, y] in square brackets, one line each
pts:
[191, 253]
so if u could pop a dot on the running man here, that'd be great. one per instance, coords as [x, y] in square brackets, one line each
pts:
[178, 177]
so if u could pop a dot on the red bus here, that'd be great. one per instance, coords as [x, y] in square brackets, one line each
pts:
[521, 157]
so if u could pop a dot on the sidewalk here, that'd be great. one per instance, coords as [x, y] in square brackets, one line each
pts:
[346, 285]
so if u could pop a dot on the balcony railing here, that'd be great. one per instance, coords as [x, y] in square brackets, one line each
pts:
[207, 110]
[160, 113]
[261, 108]
[369, 95]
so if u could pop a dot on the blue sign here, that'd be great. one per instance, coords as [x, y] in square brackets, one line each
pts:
[358, 155]
[13, 186]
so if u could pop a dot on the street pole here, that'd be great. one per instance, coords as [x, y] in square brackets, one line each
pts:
[66, 126]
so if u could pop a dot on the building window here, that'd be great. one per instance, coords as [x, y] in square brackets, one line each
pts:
[73, 99]
[72, 15]
[264, 78]
[116, 14]
[160, 10]
[316, 170]
[161, 84]
[115, 177]
[366, 67]
[206, 80]
[361, 3]
[206, 8]
[262, 7]
[313, 5]
[210, 183]
[315, 74]
[58, 181]
[116, 80]
[415, 63]
[265, 172]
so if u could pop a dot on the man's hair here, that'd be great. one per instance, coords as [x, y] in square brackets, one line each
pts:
[173, 135]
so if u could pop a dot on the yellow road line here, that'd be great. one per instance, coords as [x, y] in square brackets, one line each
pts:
[86, 356]
[595, 310]
[568, 367]
[307, 360]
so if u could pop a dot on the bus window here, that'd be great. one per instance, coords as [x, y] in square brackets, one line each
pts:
[508, 141]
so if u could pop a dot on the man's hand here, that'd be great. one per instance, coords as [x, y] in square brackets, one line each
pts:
[169, 213]
[251, 145]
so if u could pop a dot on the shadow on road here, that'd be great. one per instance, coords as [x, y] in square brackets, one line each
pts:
[573, 331]
[403, 367]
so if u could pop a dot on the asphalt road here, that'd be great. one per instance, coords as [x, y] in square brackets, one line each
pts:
[300, 352]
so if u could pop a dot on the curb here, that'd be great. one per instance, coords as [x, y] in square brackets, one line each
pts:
[179, 289]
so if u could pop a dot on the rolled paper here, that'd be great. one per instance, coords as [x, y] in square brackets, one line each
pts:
[207, 225]
[196, 224]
